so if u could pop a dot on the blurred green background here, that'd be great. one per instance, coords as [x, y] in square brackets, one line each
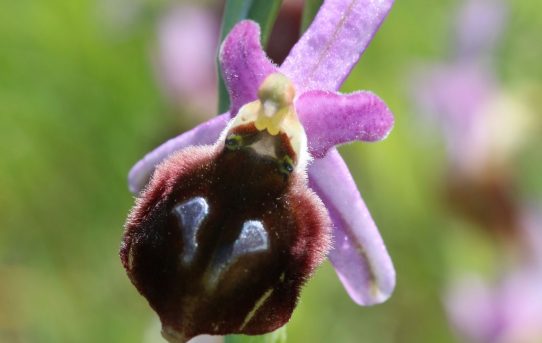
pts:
[79, 104]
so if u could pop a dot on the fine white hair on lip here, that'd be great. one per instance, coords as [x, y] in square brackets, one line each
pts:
[303, 158]
[224, 133]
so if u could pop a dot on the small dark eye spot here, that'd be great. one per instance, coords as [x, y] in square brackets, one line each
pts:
[286, 165]
[233, 142]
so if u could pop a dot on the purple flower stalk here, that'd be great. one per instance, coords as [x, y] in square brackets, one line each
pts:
[296, 109]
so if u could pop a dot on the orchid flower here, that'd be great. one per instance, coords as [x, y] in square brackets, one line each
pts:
[299, 102]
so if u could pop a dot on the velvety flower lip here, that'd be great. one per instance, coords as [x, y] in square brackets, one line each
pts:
[317, 65]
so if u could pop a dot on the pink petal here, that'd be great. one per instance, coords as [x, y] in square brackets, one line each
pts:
[359, 255]
[206, 133]
[244, 64]
[332, 118]
[332, 45]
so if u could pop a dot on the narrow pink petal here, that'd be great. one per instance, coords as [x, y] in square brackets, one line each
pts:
[334, 42]
[359, 255]
[244, 64]
[206, 133]
[332, 118]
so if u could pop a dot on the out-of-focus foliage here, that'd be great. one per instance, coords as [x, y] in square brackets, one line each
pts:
[79, 105]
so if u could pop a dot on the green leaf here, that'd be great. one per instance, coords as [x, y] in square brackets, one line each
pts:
[309, 12]
[263, 12]
[277, 336]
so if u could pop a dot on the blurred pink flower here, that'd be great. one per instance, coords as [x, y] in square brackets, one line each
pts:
[185, 61]
[482, 124]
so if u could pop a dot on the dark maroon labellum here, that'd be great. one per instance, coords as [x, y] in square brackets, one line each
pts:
[224, 237]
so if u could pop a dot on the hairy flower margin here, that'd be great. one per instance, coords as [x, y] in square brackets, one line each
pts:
[317, 66]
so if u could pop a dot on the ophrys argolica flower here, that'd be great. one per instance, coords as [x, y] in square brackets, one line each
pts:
[236, 215]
